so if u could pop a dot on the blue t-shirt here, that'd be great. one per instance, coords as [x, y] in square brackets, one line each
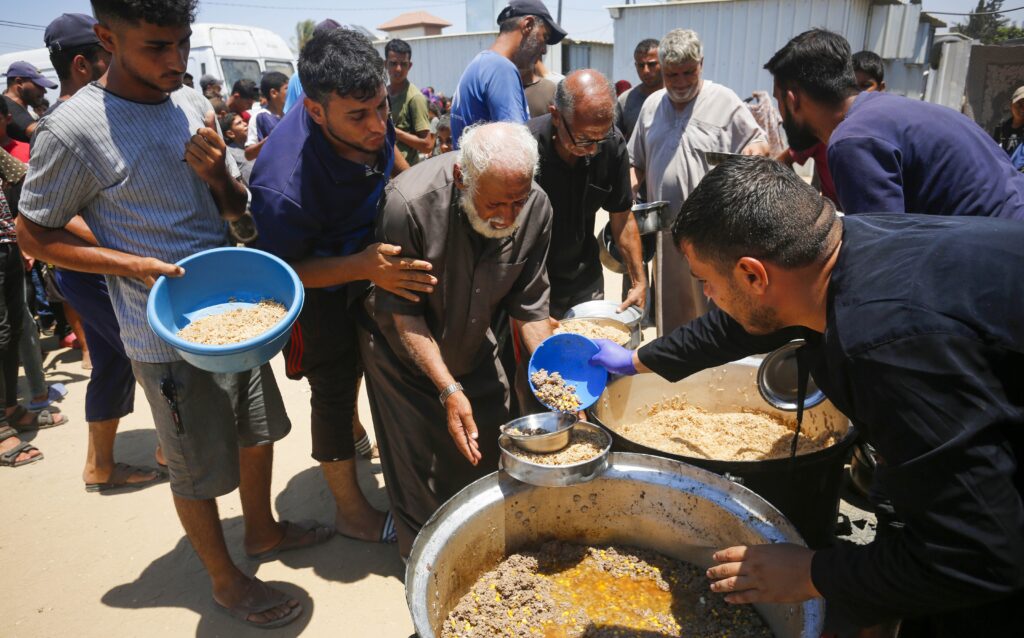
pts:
[490, 90]
[265, 121]
[896, 155]
[307, 200]
[294, 92]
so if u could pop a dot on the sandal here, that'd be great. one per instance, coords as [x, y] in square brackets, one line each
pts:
[119, 479]
[388, 535]
[42, 420]
[367, 448]
[9, 457]
[259, 598]
[294, 533]
[55, 392]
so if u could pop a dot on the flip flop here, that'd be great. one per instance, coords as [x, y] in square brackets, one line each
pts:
[43, 420]
[55, 392]
[119, 479]
[294, 533]
[7, 458]
[260, 597]
[367, 448]
[388, 535]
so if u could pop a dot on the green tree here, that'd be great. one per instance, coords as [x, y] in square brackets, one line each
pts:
[1009, 32]
[985, 23]
[303, 33]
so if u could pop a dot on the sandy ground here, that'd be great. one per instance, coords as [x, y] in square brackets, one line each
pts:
[103, 565]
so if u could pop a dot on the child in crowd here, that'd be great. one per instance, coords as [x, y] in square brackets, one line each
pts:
[444, 134]
[870, 71]
[235, 130]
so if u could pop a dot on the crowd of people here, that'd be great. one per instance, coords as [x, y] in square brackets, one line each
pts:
[439, 243]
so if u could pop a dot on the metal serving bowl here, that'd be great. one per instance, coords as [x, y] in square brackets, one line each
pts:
[606, 309]
[555, 475]
[648, 216]
[558, 426]
[777, 380]
[643, 501]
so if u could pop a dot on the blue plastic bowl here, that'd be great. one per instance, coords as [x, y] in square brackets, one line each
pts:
[569, 355]
[218, 280]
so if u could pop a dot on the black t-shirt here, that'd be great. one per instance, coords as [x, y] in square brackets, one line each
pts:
[576, 193]
[21, 119]
[1008, 137]
[923, 350]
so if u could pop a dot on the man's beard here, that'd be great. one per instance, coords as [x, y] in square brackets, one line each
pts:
[800, 137]
[479, 224]
[530, 50]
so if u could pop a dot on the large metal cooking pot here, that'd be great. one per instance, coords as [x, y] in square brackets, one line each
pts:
[640, 500]
[804, 488]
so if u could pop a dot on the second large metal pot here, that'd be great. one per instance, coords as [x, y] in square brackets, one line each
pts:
[804, 488]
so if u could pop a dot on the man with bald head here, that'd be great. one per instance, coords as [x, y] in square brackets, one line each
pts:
[584, 166]
[436, 389]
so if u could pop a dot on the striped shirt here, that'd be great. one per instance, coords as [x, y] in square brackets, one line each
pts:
[120, 164]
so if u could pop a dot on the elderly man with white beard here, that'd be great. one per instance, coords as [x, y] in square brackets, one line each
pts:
[437, 390]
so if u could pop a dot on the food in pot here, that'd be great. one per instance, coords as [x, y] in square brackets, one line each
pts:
[234, 326]
[677, 427]
[595, 330]
[583, 446]
[552, 391]
[564, 590]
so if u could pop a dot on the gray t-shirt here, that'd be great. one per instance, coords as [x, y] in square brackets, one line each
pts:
[120, 165]
[627, 110]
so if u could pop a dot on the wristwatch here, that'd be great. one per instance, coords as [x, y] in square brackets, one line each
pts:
[448, 391]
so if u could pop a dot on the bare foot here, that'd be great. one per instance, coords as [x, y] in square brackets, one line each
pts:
[364, 525]
[253, 593]
[102, 475]
[10, 443]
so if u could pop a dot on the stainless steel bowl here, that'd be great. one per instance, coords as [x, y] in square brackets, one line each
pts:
[648, 216]
[558, 426]
[640, 500]
[632, 336]
[607, 309]
[555, 475]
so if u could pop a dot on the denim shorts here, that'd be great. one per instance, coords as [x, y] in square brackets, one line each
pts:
[203, 418]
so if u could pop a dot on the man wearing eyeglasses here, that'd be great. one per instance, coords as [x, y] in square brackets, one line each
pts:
[584, 166]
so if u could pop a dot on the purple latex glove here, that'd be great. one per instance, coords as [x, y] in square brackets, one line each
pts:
[613, 357]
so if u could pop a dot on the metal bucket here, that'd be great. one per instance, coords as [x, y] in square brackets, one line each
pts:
[804, 488]
[640, 500]
[648, 216]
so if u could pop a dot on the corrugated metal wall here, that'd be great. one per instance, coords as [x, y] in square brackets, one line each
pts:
[587, 55]
[738, 37]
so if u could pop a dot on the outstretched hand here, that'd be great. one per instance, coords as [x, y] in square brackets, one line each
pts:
[613, 358]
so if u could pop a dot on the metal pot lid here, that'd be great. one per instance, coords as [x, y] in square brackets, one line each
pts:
[605, 309]
[777, 380]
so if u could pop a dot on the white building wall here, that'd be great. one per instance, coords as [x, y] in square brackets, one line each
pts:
[738, 36]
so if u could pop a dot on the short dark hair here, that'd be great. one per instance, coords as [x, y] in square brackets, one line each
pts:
[62, 59]
[870, 64]
[509, 25]
[445, 121]
[644, 46]
[756, 207]
[246, 89]
[226, 121]
[399, 47]
[272, 80]
[818, 62]
[341, 62]
[219, 105]
[164, 13]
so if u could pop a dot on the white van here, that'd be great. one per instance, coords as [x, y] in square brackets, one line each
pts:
[229, 52]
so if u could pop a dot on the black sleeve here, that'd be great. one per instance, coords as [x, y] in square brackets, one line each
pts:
[708, 341]
[21, 119]
[947, 426]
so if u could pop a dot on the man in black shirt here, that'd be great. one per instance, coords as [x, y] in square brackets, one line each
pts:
[26, 88]
[584, 166]
[915, 330]
[1010, 132]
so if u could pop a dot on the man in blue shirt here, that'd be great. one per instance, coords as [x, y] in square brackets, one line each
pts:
[315, 189]
[490, 89]
[888, 153]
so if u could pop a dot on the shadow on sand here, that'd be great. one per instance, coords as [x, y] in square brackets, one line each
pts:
[178, 579]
